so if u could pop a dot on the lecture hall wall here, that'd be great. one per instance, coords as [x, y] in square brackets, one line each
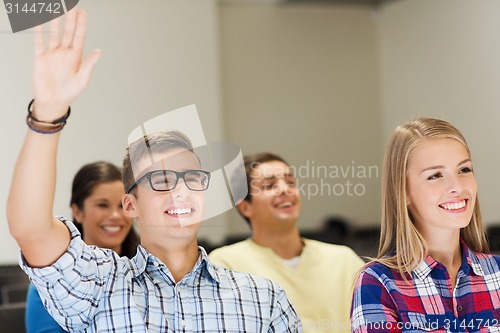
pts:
[322, 85]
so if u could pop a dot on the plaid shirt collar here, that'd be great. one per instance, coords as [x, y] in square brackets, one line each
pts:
[469, 260]
[144, 258]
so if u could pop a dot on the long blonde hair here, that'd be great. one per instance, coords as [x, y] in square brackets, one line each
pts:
[401, 246]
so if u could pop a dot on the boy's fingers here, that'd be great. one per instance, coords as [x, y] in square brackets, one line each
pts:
[80, 31]
[54, 33]
[39, 47]
[69, 28]
[88, 64]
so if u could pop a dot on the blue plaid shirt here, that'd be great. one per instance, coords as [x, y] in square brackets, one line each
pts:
[90, 289]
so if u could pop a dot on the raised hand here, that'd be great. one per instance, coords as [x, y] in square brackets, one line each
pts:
[59, 73]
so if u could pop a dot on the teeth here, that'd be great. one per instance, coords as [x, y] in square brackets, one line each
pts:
[179, 211]
[111, 229]
[285, 204]
[453, 206]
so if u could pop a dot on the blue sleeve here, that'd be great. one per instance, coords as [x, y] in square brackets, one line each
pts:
[37, 319]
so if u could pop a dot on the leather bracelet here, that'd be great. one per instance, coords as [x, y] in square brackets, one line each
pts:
[45, 127]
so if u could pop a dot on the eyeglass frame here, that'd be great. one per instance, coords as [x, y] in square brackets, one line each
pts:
[178, 174]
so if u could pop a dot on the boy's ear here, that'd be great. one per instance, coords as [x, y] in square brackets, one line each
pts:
[245, 208]
[129, 205]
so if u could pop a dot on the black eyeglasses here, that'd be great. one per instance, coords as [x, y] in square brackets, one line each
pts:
[166, 180]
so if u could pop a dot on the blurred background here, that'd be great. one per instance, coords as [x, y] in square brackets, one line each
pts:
[322, 83]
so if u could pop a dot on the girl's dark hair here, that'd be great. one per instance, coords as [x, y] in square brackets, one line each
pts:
[84, 182]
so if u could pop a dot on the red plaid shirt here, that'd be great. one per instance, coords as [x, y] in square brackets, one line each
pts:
[384, 302]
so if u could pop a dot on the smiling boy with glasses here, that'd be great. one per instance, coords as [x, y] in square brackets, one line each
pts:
[170, 285]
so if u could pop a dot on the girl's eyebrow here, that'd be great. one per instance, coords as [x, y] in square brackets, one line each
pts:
[442, 166]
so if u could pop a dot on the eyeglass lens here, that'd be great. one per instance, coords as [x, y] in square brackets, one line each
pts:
[166, 180]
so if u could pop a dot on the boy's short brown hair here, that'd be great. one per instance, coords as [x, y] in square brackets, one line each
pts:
[157, 142]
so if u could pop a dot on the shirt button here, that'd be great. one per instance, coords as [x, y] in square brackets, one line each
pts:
[156, 263]
[183, 323]
[197, 283]
[459, 308]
